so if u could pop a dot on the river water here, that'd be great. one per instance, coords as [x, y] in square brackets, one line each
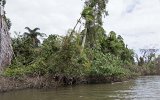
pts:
[143, 88]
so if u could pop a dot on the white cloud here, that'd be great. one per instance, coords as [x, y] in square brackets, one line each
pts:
[139, 27]
[138, 21]
[52, 16]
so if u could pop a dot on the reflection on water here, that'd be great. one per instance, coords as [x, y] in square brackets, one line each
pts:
[143, 88]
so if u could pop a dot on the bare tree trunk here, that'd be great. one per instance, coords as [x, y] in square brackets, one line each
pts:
[5, 44]
[84, 40]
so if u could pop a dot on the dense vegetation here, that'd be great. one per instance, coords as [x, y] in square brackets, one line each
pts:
[89, 52]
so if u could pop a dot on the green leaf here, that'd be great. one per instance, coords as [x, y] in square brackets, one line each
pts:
[88, 14]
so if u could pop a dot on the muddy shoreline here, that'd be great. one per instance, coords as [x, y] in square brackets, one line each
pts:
[10, 84]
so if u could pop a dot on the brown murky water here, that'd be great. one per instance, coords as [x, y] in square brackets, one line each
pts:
[143, 88]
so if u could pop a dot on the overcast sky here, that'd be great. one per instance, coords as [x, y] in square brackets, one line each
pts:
[138, 21]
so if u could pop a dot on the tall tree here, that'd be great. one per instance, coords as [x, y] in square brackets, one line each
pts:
[92, 14]
[33, 34]
[5, 39]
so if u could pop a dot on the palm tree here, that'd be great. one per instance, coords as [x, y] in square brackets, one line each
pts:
[33, 34]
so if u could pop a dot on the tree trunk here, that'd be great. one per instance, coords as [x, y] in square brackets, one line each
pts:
[84, 40]
[5, 44]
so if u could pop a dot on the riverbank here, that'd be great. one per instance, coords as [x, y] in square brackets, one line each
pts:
[39, 82]
[9, 84]
[150, 85]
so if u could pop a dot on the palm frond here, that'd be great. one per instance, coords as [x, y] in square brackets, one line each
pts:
[27, 28]
[35, 29]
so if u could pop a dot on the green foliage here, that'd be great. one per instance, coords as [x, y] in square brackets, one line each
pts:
[106, 65]
[24, 52]
[115, 45]
[16, 72]
[36, 68]
[103, 55]
[92, 14]
[69, 54]
[96, 8]
[51, 45]
[87, 14]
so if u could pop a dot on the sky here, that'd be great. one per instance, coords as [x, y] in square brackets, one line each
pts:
[137, 21]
